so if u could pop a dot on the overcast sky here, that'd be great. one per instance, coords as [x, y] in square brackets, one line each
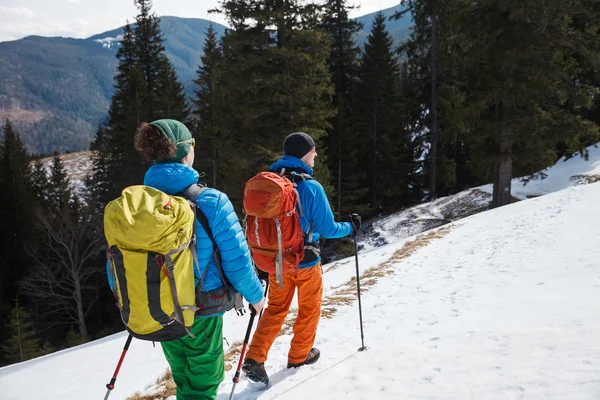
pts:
[84, 18]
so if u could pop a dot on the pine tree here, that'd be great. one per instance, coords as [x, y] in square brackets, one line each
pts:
[205, 102]
[16, 206]
[342, 149]
[587, 19]
[384, 141]
[426, 54]
[39, 182]
[522, 58]
[60, 192]
[417, 80]
[274, 81]
[150, 49]
[115, 155]
[146, 89]
[22, 344]
[172, 103]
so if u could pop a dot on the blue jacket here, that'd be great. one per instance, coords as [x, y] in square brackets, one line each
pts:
[315, 205]
[173, 178]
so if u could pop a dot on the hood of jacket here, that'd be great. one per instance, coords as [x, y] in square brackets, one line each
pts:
[291, 162]
[171, 178]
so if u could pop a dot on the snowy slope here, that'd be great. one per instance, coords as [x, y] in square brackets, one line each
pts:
[565, 173]
[503, 306]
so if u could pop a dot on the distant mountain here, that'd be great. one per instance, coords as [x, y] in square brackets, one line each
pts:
[57, 90]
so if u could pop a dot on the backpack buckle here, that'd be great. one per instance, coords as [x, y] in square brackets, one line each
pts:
[239, 305]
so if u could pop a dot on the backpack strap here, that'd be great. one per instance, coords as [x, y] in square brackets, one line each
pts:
[177, 306]
[192, 193]
[296, 175]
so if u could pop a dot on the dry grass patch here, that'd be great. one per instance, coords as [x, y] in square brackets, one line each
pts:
[333, 267]
[343, 295]
[169, 389]
[232, 355]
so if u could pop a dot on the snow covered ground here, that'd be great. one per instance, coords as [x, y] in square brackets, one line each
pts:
[505, 305]
[77, 167]
[565, 173]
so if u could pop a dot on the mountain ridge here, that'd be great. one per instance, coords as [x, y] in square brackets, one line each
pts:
[56, 90]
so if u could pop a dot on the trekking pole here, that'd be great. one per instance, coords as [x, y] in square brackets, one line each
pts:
[362, 336]
[111, 385]
[236, 378]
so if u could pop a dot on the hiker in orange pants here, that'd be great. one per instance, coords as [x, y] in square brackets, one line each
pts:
[309, 283]
[316, 220]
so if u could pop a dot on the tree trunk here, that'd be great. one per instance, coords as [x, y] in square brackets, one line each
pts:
[434, 114]
[374, 162]
[214, 163]
[80, 314]
[214, 182]
[339, 208]
[340, 92]
[19, 334]
[503, 169]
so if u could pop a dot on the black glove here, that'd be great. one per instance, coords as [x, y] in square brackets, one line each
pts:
[356, 221]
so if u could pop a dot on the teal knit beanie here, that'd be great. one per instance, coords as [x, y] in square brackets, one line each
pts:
[177, 133]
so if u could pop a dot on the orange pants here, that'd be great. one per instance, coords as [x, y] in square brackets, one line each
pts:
[309, 282]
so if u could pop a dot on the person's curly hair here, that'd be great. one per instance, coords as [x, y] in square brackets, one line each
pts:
[153, 144]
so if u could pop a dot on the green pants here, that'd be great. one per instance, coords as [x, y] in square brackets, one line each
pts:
[198, 364]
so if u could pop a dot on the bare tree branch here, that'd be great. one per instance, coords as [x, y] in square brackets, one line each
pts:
[64, 264]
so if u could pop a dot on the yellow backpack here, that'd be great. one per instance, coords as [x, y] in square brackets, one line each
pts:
[151, 239]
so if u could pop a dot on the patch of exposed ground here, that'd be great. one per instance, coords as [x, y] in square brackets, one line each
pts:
[424, 217]
[585, 179]
[20, 115]
[78, 166]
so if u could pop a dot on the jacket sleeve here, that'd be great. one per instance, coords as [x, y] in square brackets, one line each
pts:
[235, 255]
[322, 216]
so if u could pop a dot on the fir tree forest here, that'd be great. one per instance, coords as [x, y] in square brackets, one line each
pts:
[480, 92]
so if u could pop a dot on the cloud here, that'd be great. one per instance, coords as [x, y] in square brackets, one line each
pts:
[17, 11]
[17, 29]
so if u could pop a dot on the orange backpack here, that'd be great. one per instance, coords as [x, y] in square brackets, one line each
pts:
[272, 229]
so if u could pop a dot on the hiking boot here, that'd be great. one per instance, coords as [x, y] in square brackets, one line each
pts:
[255, 371]
[311, 358]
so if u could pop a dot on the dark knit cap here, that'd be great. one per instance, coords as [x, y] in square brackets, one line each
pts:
[298, 144]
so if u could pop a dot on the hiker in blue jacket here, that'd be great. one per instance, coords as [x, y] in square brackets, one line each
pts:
[317, 221]
[198, 363]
